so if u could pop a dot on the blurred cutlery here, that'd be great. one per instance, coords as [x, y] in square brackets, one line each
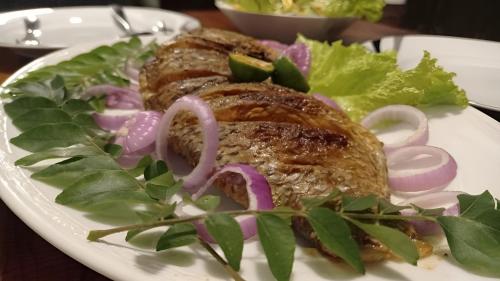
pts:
[33, 32]
[122, 22]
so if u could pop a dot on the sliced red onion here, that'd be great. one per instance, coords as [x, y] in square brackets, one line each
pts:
[130, 160]
[116, 97]
[137, 136]
[300, 54]
[280, 47]
[210, 129]
[143, 130]
[259, 197]
[404, 113]
[328, 101]
[430, 201]
[437, 171]
[110, 122]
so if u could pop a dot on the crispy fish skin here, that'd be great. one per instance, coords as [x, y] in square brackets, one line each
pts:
[172, 91]
[199, 54]
[303, 147]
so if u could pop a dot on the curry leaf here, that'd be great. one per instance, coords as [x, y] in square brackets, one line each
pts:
[49, 136]
[166, 179]
[40, 116]
[98, 103]
[139, 168]
[72, 151]
[428, 212]
[475, 244]
[24, 104]
[75, 106]
[177, 235]
[278, 242]
[155, 169]
[472, 206]
[399, 243]
[114, 150]
[67, 173]
[104, 186]
[227, 232]
[165, 190]
[358, 204]
[99, 66]
[207, 202]
[335, 235]
[386, 207]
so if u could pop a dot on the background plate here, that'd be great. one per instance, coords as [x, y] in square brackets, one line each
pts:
[65, 27]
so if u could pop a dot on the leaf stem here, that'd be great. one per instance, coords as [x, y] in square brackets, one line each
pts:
[97, 234]
[235, 275]
[389, 217]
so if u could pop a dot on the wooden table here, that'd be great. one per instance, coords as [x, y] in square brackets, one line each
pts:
[25, 256]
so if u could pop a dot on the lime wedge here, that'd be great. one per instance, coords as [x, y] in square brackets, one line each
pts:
[287, 74]
[248, 69]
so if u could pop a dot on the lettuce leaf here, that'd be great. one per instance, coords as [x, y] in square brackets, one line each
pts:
[362, 81]
[257, 6]
[368, 9]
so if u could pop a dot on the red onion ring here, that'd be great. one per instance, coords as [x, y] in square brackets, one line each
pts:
[130, 160]
[110, 122]
[405, 113]
[259, 197]
[429, 201]
[300, 54]
[142, 131]
[137, 137]
[328, 101]
[210, 129]
[116, 97]
[280, 47]
[420, 179]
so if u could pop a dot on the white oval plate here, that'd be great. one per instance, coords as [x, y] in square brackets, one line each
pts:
[470, 136]
[476, 62]
[70, 26]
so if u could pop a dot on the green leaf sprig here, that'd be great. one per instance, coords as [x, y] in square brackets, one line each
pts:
[102, 65]
[474, 240]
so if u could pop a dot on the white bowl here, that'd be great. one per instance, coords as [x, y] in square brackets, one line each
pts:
[284, 28]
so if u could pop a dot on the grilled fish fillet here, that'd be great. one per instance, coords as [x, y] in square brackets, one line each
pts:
[303, 147]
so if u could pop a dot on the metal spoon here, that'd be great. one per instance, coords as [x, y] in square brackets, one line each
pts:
[33, 32]
[122, 22]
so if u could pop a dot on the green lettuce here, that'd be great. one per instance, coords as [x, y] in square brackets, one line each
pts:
[362, 81]
[257, 6]
[367, 9]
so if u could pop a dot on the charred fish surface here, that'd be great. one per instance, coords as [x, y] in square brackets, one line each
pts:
[198, 54]
[303, 147]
